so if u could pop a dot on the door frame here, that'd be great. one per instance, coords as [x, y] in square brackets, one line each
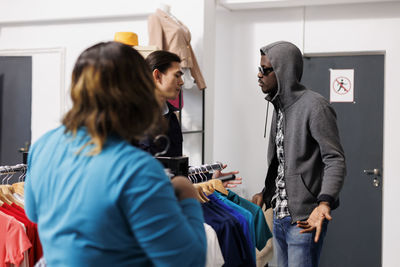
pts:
[367, 53]
[61, 51]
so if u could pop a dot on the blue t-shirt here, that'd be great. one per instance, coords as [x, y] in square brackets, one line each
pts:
[246, 217]
[117, 208]
[263, 232]
[230, 235]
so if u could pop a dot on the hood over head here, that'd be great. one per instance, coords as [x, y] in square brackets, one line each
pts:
[287, 61]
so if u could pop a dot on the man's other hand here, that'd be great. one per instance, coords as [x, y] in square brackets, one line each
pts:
[316, 219]
[258, 199]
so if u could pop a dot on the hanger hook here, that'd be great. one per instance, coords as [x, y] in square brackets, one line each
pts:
[23, 172]
[159, 137]
[11, 174]
[6, 174]
[202, 175]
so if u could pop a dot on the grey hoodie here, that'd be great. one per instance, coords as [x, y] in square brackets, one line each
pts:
[314, 158]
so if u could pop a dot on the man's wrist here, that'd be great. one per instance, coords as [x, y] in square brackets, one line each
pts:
[324, 203]
[326, 198]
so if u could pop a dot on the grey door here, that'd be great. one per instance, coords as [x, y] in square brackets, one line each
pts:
[15, 107]
[354, 234]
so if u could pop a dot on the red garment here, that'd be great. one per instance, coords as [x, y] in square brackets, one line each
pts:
[175, 102]
[13, 242]
[37, 245]
[35, 252]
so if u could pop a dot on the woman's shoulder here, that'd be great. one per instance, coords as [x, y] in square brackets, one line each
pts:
[47, 136]
[132, 157]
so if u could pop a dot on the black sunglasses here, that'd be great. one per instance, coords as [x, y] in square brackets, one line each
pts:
[265, 71]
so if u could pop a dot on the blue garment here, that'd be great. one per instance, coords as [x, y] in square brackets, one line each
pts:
[117, 208]
[262, 231]
[248, 227]
[294, 249]
[245, 219]
[230, 236]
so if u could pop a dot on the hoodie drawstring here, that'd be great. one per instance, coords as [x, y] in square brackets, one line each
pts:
[266, 119]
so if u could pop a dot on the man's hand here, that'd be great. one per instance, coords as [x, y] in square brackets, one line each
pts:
[228, 184]
[258, 199]
[314, 222]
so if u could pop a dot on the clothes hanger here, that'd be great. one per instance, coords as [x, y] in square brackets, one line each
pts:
[206, 199]
[217, 185]
[4, 198]
[203, 176]
[22, 176]
[19, 188]
[206, 187]
[8, 194]
[6, 174]
[7, 190]
[198, 173]
[201, 197]
[158, 138]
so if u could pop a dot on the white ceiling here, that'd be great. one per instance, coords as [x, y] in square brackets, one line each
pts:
[256, 4]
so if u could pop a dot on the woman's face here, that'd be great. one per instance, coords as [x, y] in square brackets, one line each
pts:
[170, 83]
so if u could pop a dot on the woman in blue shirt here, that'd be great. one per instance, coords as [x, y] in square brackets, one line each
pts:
[97, 199]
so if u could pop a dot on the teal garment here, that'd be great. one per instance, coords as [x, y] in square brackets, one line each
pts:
[246, 214]
[117, 208]
[263, 232]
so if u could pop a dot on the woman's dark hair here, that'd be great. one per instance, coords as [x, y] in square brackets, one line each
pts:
[112, 91]
[161, 60]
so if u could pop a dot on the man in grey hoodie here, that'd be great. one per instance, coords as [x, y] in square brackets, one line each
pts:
[305, 158]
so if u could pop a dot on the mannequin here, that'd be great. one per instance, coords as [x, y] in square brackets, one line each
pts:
[187, 76]
[167, 9]
[187, 79]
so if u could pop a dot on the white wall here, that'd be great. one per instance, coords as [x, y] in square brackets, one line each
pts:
[37, 27]
[240, 112]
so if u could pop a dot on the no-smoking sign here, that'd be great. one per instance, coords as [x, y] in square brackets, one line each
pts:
[342, 85]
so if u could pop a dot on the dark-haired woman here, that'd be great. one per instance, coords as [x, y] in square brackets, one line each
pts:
[98, 200]
[167, 74]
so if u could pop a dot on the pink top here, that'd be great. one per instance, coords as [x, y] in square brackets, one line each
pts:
[13, 243]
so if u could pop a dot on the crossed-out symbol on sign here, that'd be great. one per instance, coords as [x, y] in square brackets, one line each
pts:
[342, 85]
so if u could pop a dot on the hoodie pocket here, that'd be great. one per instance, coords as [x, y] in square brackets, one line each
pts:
[301, 201]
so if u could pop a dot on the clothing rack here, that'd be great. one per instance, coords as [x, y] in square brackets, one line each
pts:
[203, 173]
[206, 168]
[13, 169]
[8, 172]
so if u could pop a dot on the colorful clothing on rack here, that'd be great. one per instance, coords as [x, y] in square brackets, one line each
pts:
[117, 208]
[234, 245]
[35, 252]
[214, 254]
[262, 231]
[13, 242]
[245, 219]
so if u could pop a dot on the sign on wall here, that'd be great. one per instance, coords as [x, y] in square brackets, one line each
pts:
[342, 85]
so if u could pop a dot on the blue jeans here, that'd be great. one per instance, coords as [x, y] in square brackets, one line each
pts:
[293, 249]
